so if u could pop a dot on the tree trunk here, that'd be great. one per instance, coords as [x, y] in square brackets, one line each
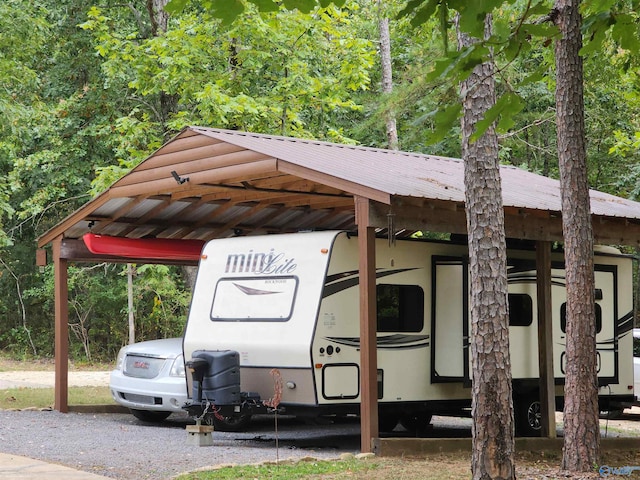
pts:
[581, 426]
[492, 402]
[159, 18]
[189, 274]
[387, 80]
[168, 103]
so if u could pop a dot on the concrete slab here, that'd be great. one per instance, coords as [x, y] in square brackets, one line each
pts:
[15, 467]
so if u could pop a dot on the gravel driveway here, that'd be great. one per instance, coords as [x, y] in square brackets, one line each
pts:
[120, 446]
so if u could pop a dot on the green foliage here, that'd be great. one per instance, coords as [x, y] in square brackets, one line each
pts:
[509, 102]
[98, 316]
[230, 10]
[88, 92]
[279, 72]
[610, 20]
[161, 302]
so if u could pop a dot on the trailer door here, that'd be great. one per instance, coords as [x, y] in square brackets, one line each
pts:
[606, 309]
[450, 323]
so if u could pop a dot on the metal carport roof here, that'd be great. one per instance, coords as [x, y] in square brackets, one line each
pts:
[209, 183]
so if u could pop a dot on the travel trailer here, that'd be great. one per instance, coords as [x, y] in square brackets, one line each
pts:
[288, 306]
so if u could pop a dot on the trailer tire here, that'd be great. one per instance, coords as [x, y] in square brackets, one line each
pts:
[417, 422]
[150, 416]
[528, 416]
[232, 423]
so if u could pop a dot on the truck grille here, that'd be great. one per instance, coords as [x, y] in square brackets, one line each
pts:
[145, 399]
[140, 366]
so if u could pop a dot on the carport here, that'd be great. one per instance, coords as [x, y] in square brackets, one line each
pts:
[210, 183]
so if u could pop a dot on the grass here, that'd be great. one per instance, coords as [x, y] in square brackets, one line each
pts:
[451, 466]
[21, 398]
[39, 398]
[439, 468]
[306, 468]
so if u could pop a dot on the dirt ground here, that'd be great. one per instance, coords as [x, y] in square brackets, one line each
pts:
[40, 374]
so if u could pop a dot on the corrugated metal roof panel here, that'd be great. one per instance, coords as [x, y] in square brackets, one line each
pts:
[414, 174]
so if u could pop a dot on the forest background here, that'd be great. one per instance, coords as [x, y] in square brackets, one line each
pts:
[90, 89]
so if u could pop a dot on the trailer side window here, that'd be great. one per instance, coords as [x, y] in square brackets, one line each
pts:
[520, 310]
[563, 318]
[400, 308]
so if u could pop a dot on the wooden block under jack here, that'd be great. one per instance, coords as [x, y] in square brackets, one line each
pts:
[200, 435]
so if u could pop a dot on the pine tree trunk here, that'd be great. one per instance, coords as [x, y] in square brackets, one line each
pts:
[492, 403]
[581, 426]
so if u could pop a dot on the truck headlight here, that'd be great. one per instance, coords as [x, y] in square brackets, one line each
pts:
[177, 369]
[120, 358]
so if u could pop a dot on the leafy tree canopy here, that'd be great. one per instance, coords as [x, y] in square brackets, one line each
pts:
[229, 10]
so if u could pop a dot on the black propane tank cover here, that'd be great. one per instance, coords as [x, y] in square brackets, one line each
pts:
[221, 382]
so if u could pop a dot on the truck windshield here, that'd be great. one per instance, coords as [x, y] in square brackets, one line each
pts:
[254, 299]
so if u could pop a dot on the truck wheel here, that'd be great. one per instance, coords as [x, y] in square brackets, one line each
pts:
[528, 417]
[232, 423]
[150, 416]
[417, 422]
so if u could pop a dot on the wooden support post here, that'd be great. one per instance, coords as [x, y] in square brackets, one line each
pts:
[368, 342]
[545, 340]
[61, 395]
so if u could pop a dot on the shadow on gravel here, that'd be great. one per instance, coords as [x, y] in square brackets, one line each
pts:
[340, 433]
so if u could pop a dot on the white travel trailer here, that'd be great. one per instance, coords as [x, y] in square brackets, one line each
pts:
[290, 302]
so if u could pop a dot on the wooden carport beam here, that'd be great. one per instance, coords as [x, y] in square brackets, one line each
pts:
[538, 225]
[545, 340]
[61, 298]
[368, 339]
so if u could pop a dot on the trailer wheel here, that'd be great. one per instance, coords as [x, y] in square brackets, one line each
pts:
[611, 414]
[232, 423]
[150, 416]
[417, 422]
[528, 417]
